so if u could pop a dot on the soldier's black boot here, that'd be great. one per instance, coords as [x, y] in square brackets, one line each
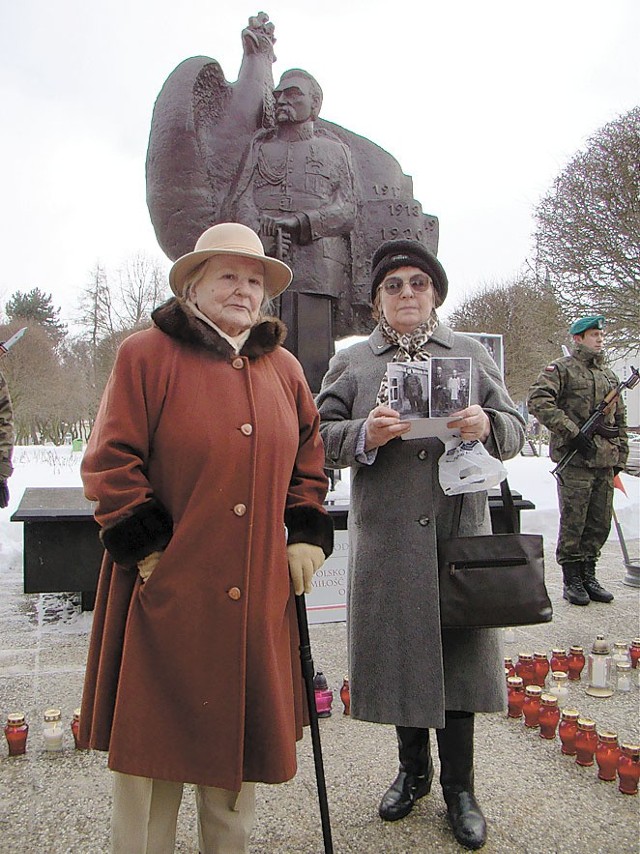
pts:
[574, 591]
[414, 776]
[455, 746]
[591, 584]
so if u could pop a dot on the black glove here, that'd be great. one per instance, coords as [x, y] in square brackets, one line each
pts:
[617, 470]
[583, 445]
[4, 493]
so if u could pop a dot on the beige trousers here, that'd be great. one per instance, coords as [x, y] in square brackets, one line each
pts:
[145, 813]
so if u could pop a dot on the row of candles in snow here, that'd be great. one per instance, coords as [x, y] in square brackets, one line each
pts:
[16, 731]
[606, 670]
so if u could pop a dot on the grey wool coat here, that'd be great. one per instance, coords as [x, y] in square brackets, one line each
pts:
[404, 669]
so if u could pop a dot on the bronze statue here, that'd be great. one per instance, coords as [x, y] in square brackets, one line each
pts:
[296, 189]
[322, 197]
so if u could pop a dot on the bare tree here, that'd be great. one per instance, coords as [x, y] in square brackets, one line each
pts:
[527, 315]
[56, 380]
[588, 231]
[35, 379]
[142, 288]
[96, 314]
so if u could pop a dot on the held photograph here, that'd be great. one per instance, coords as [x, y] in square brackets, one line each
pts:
[427, 393]
[409, 388]
[450, 386]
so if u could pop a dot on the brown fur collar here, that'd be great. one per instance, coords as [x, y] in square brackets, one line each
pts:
[178, 322]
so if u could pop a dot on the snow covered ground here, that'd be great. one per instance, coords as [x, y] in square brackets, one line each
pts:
[50, 466]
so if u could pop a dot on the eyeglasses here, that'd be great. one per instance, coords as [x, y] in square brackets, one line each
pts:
[395, 286]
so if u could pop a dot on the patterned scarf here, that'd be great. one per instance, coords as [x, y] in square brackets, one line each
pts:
[410, 347]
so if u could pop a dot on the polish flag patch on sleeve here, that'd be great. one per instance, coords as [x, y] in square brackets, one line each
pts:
[550, 369]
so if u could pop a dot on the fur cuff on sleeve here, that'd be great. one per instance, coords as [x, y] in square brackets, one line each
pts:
[147, 530]
[309, 525]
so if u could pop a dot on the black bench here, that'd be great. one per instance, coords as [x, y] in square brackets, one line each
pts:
[62, 551]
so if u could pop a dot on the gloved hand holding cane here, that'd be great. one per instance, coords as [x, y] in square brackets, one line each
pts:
[304, 561]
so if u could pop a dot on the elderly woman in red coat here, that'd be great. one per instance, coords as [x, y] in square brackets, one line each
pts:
[207, 468]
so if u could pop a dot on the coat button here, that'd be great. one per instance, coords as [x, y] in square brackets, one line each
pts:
[247, 429]
[234, 593]
[422, 455]
[238, 364]
[424, 521]
[240, 509]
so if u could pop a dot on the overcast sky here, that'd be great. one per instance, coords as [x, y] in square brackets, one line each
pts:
[483, 104]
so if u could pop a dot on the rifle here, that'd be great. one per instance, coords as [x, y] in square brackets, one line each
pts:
[594, 423]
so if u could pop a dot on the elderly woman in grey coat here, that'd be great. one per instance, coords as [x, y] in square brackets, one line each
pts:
[405, 669]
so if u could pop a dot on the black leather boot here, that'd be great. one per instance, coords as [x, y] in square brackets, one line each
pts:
[591, 584]
[455, 746]
[574, 591]
[414, 777]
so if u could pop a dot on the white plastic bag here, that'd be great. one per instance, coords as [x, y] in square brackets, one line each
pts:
[468, 467]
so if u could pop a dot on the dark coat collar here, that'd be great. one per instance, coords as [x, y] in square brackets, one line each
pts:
[379, 344]
[178, 322]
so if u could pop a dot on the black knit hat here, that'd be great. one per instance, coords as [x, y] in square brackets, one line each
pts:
[407, 253]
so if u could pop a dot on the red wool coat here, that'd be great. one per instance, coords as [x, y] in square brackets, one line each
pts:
[194, 675]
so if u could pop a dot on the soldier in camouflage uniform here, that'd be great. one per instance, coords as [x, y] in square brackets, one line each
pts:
[6, 441]
[562, 398]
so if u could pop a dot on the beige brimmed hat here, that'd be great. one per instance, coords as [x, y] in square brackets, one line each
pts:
[231, 238]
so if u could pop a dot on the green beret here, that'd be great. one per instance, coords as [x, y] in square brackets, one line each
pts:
[596, 321]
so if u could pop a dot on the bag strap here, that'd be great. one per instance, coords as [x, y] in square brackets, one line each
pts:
[505, 489]
[507, 498]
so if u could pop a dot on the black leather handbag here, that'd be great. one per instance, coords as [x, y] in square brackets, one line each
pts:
[494, 580]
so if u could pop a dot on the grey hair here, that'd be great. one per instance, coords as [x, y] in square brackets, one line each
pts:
[191, 282]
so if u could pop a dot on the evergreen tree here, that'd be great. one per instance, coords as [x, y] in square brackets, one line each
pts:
[36, 307]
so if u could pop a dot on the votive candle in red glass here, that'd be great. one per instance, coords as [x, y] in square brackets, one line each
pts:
[634, 652]
[75, 727]
[586, 741]
[16, 731]
[567, 730]
[559, 660]
[345, 696]
[575, 663]
[629, 768]
[508, 666]
[515, 696]
[531, 705]
[607, 754]
[549, 716]
[526, 668]
[541, 663]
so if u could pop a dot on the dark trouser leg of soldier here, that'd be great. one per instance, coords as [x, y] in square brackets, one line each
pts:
[455, 747]
[414, 777]
[574, 494]
[596, 532]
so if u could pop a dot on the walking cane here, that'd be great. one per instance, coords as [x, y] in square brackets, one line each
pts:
[307, 674]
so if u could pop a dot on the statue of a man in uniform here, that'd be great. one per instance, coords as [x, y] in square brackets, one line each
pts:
[296, 188]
